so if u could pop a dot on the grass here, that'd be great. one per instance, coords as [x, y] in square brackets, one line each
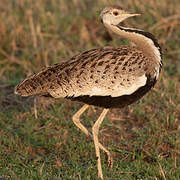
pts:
[143, 138]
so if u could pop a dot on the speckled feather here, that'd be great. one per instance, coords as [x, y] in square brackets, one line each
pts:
[108, 69]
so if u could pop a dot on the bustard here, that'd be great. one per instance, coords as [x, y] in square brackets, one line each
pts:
[108, 77]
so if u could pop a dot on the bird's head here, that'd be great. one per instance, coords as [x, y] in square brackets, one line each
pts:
[114, 15]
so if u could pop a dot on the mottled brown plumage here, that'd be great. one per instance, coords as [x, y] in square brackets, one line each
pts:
[109, 77]
[106, 68]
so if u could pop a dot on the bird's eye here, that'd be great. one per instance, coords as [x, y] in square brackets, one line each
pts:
[115, 13]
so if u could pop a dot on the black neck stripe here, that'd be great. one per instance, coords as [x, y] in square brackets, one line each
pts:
[146, 34]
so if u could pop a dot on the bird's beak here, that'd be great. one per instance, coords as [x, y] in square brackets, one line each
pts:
[131, 14]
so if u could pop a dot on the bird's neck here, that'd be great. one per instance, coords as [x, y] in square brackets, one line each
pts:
[143, 40]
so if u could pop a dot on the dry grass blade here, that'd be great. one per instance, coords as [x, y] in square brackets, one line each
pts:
[161, 171]
[166, 22]
[41, 169]
[32, 27]
[35, 108]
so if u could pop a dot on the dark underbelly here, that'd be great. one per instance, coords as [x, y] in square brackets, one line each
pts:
[115, 102]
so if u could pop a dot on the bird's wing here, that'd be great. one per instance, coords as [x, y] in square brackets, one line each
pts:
[114, 90]
[102, 72]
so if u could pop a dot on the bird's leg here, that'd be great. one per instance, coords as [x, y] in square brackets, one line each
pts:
[95, 131]
[76, 120]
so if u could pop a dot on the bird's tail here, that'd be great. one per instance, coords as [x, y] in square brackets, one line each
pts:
[36, 84]
[32, 85]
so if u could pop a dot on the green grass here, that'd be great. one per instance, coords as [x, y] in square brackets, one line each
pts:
[143, 138]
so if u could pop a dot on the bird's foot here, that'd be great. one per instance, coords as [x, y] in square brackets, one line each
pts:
[108, 154]
[110, 161]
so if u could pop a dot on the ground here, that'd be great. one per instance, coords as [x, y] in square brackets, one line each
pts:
[144, 138]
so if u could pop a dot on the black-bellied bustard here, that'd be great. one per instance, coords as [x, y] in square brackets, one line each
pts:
[108, 77]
